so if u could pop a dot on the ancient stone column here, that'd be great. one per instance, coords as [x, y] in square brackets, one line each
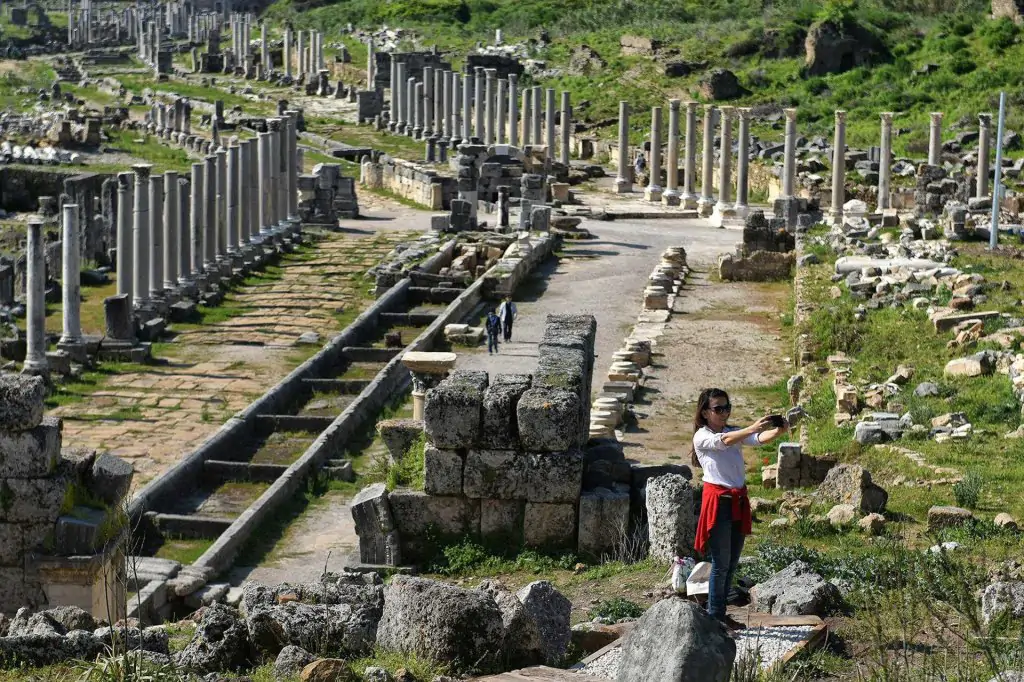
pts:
[287, 54]
[428, 101]
[398, 95]
[563, 151]
[653, 190]
[196, 217]
[789, 156]
[489, 114]
[301, 50]
[184, 245]
[371, 65]
[441, 85]
[885, 162]
[293, 165]
[242, 183]
[465, 83]
[35, 304]
[125, 245]
[671, 195]
[141, 230]
[264, 52]
[502, 101]
[549, 121]
[623, 180]
[743, 164]
[172, 231]
[222, 202]
[689, 198]
[705, 205]
[537, 113]
[156, 237]
[835, 213]
[210, 213]
[274, 203]
[232, 173]
[478, 102]
[513, 110]
[417, 124]
[71, 283]
[445, 122]
[255, 197]
[527, 116]
[984, 138]
[725, 163]
[935, 139]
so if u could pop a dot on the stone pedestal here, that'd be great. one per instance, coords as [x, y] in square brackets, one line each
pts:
[935, 139]
[427, 369]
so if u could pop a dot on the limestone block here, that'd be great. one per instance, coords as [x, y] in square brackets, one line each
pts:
[452, 410]
[418, 516]
[81, 533]
[788, 465]
[948, 517]
[670, 521]
[31, 453]
[501, 521]
[11, 544]
[500, 427]
[442, 471]
[554, 477]
[375, 526]
[399, 435]
[549, 525]
[33, 500]
[111, 478]
[495, 474]
[975, 365]
[549, 420]
[603, 521]
[21, 402]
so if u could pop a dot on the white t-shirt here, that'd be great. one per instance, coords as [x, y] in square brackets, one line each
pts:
[722, 464]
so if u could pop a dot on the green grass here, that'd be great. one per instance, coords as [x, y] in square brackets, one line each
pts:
[148, 150]
[183, 550]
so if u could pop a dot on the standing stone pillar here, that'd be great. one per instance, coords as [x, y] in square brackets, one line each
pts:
[465, 83]
[264, 52]
[489, 114]
[835, 213]
[537, 112]
[172, 231]
[196, 217]
[689, 199]
[885, 163]
[444, 124]
[441, 86]
[35, 294]
[513, 110]
[563, 151]
[371, 65]
[502, 101]
[141, 230]
[287, 54]
[705, 205]
[653, 190]
[184, 244]
[935, 139]
[255, 198]
[275, 174]
[71, 284]
[417, 129]
[527, 117]
[549, 122]
[623, 180]
[743, 164]
[789, 156]
[210, 213]
[264, 183]
[156, 237]
[478, 101]
[222, 202]
[671, 195]
[398, 95]
[984, 139]
[428, 101]
[293, 165]
[125, 243]
[301, 50]
[725, 204]
[231, 213]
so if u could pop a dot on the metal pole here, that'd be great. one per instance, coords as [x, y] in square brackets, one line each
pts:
[993, 237]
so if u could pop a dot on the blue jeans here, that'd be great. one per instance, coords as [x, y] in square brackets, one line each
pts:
[724, 547]
[492, 343]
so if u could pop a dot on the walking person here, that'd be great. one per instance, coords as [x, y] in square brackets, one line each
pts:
[493, 326]
[725, 517]
[507, 314]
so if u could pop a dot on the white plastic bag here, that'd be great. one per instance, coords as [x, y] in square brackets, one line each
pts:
[697, 581]
[681, 568]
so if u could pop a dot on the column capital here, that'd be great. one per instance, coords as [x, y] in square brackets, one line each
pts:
[491, 73]
[691, 107]
[744, 113]
[478, 70]
[709, 109]
[936, 116]
[142, 170]
[985, 120]
[840, 116]
[512, 78]
[790, 114]
[673, 104]
[124, 180]
[886, 117]
[727, 110]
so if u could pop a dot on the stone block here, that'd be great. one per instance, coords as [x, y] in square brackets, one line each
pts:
[32, 500]
[442, 471]
[79, 533]
[603, 522]
[421, 519]
[21, 402]
[12, 548]
[399, 435]
[495, 474]
[554, 477]
[789, 459]
[501, 521]
[117, 311]
[32, 453]
[375, 526]
[549, 420]
[500, 428]
[550, 526]
[111, 478]
[452, 411]
[948, 517]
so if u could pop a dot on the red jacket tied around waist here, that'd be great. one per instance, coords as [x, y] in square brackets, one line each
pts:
[709, 511]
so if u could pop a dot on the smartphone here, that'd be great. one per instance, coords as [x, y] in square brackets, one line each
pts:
[777, 421]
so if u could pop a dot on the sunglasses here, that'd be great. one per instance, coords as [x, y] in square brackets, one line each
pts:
[721, 409]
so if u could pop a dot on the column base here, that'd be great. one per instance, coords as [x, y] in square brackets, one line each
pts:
[722, 213]
[835, 217]
[672, 198]
[652, 193]
[689, 201]
[741, 210]
[705, 207]
[75, 349]
[623, 186]
[37, 368]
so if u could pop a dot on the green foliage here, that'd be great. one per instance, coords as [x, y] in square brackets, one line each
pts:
[961, 64]
[408, 471]
[1000, 34]
[838, 11]
[616, 609]
[467, 556]
[967, 491]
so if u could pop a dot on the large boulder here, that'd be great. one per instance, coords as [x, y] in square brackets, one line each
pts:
[441, 622]
[676, 641]
[670, 521]
[721, 84]
[585, 60]
[551, 611]
[835, 47]
[50, 649]
[522, 645]
[794, 591]
[291, 661]
[220, 643]
[350, 630]
[21, 401]
[1002, 597]
[851, 484]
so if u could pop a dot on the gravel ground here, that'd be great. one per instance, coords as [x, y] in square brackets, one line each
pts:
[607, 666]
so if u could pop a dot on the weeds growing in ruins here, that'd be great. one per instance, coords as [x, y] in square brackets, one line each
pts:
[968, 490]
[616, 609]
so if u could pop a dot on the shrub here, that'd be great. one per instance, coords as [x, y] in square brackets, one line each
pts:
[961, 64]
[616, 609]
[999, 34]
[968, 491]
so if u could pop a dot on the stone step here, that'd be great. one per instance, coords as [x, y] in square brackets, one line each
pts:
[292, 422]
[192, 526]
[223, 470]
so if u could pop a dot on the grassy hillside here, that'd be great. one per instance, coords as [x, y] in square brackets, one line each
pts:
[971, 57]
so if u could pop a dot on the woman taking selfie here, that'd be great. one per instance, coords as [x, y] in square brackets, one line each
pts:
[725, 517]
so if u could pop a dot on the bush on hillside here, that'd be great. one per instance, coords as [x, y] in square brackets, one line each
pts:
[999, 34]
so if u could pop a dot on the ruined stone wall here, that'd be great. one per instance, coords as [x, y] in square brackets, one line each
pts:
[410, 181]
[414, 65]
